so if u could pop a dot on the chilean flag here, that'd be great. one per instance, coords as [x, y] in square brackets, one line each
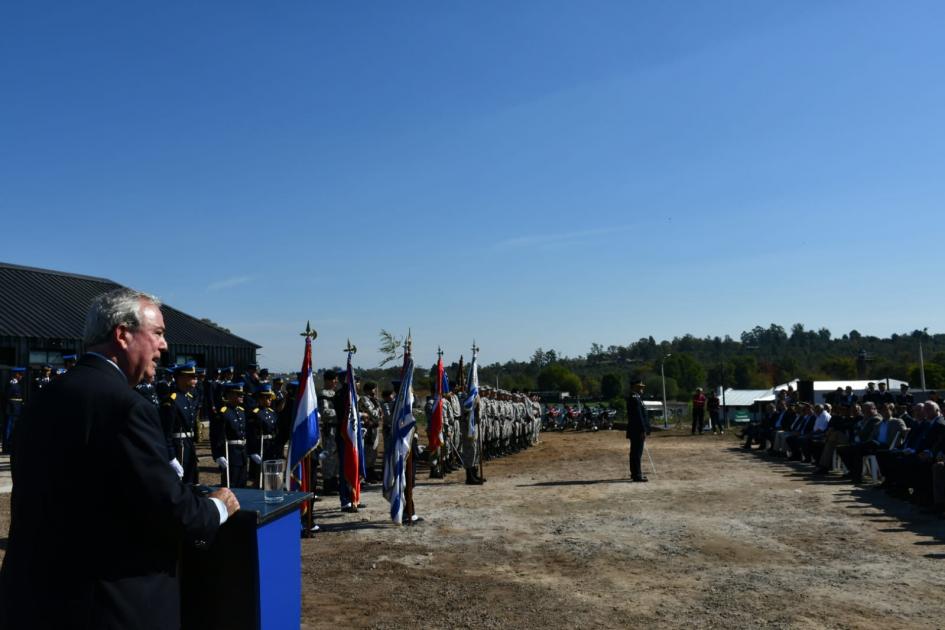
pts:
[305, 433]
[435, 429]
[351, 440]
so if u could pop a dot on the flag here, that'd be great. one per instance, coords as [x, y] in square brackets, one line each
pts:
[305, 434]
[472, 396]
[435, 427]
[395, 459]
[352, 440]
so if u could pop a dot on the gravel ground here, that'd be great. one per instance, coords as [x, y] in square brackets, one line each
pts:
[558, 537]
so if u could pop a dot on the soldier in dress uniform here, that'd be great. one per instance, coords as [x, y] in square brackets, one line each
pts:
[200, 389]
[43, 379]
[163, 383]
[262, 426]
[251, 385]
[147, 389]
[223, 377]
[228, 438]
[13, 406]
[278, 390]
[68, 362]
[286, 420]
[179, 421]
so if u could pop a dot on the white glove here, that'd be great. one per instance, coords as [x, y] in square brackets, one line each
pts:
[221, 462]
[177, 468]
[256, 458]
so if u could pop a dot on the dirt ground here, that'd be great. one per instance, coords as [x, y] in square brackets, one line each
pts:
[559, 538]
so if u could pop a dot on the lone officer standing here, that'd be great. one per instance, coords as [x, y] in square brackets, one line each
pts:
[638, 427]
[13, 399]
[179, 421]
[228, 438]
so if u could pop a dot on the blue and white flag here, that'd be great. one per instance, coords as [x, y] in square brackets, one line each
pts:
[305, 432]
[403, 425]
[472, 397]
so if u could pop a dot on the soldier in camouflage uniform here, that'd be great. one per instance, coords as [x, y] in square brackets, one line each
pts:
[373, 416]
[329, 429]
[456, 434]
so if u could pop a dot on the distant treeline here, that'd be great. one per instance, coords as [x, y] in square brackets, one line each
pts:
[760, 358]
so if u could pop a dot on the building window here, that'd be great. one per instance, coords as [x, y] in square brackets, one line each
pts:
[183, 359]
[46, 357]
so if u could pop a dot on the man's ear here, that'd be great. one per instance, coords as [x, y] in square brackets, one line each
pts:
[121, 336]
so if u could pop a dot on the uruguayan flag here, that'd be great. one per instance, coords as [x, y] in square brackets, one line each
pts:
[472, 397]
[395, 459]
[305, 432]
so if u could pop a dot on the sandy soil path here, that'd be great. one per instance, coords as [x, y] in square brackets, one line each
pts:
[559, 538]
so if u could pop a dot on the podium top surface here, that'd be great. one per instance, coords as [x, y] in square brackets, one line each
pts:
[252, 501]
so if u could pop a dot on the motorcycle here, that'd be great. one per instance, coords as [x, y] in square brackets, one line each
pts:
[607, 417]
[572, 417]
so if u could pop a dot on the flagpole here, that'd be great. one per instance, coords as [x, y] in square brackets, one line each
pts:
[475, 410]
[354, 417]
[310, 335]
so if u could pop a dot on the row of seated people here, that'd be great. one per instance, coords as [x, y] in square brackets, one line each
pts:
[909, 449]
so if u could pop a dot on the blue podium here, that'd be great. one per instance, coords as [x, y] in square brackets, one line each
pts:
[250, 576]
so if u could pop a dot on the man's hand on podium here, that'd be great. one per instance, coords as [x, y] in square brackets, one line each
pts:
[228, 498]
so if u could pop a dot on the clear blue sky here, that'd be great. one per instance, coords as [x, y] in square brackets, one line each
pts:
[523, 173]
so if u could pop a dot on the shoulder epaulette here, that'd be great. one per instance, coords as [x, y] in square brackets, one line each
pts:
[173, 395]
[256, 410]
[223, 409]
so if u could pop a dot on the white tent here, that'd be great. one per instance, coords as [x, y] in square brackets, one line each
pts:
[822, 388]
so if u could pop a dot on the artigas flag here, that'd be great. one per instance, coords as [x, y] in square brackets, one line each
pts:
[435, 428]
[351, 440]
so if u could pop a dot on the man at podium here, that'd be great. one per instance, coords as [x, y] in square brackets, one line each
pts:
[98, 514]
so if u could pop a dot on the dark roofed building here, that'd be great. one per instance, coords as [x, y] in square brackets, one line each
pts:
[42, 315]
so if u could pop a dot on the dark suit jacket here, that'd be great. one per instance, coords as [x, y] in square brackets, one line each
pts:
[637, 420]
[98, 515]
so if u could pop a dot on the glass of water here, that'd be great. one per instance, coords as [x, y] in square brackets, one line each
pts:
[273, 480]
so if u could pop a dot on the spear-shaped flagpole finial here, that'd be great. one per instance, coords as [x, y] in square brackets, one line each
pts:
[408, 342]
[475, 348]
[351, 348]
[439, 352]
[309, 332]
